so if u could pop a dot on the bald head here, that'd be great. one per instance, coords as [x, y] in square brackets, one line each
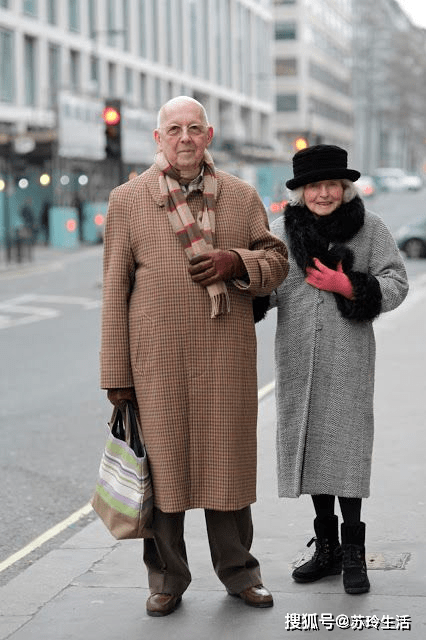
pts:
[180, 101]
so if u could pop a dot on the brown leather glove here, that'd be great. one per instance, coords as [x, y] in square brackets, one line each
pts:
[217, 264]
[118, 397]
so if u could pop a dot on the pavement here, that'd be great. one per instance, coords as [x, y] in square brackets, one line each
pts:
[93, 586]
[40, 258]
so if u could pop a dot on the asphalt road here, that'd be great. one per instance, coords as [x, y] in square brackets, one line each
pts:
[53, 415]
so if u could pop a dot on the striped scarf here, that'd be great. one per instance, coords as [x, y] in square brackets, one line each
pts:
[195, 238]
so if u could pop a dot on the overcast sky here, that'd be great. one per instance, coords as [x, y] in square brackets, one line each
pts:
[416, 10]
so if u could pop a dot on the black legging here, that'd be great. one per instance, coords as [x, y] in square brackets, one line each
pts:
[350, 507]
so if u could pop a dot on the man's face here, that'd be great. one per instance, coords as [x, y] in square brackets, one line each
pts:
[183, 136]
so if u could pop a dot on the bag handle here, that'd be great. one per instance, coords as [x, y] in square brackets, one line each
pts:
[134, 430]
[124, 425]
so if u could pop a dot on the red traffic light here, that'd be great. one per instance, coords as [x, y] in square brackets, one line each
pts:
[300, 143]
[111, 116]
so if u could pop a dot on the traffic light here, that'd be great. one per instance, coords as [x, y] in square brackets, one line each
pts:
[300, 143]
[111, 115]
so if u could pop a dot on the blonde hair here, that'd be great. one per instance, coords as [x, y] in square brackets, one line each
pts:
[181, 100]
[296, 196]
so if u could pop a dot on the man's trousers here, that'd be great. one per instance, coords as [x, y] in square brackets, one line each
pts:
[230, 534]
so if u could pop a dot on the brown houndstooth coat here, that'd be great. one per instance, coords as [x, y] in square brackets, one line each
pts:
[195, 377]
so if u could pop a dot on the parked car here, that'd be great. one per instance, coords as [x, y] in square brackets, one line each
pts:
[413, 182]
[411, 239]
[394, 179]
[366, 185]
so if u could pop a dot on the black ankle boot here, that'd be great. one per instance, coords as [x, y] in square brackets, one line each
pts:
[355, 579]
[327, 559]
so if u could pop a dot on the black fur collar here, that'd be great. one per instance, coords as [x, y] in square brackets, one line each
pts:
[310, 236]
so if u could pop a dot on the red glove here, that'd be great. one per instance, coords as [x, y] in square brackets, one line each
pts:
[118, 397]
[217, 264]
[329, 280]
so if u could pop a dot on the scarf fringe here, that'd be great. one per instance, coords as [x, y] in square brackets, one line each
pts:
[220, 304]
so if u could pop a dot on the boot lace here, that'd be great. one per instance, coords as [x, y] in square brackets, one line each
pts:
[323, 550]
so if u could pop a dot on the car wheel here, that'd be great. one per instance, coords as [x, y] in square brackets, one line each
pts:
[415, 248]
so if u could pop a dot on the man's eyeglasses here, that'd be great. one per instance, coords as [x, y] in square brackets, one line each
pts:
[193, 130]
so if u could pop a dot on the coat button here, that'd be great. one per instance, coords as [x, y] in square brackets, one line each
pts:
[319, 327]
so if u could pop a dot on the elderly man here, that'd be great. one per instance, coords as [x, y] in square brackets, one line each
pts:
[187, 248]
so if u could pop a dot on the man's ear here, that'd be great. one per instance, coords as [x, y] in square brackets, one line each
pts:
[210, 134]
[157, 137]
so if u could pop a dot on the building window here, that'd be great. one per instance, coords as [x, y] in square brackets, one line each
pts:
[111, 23]
[155, 26]
[94, 74]
[74, 15]
[158, 96]
[169, 90]
[205, 36]
[179, 29]
[285, 31]
[142, 29]
[129, 82]
[329, 79]
[126, 26]
[169, 34]
[142, 89]
[30, 67]
[285, 2]
[4, 4]
[54, 74]
[287, 102]
[195, 53]
[51, 12]
[286, 67]
[112, 79]
[6, 66]
[75, 71]
[92, 19]
[30, 7]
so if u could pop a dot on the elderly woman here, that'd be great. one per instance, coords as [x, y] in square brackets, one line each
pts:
[345, 270]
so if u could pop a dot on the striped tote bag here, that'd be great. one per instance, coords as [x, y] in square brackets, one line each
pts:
[123, 496]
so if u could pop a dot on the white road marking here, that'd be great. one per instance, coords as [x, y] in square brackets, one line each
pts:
[27, 306]
[45, 537]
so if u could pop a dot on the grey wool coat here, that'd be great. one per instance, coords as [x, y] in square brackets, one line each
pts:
[325, 351]
[194, 376]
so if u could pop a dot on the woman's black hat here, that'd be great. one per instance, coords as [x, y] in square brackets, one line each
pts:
[320, 162]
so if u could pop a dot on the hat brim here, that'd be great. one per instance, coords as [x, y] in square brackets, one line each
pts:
[322, 174]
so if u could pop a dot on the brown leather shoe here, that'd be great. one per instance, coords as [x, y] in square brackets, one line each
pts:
[161, 604]
[257, 596]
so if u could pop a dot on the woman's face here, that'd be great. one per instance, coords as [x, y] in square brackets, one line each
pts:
[324, 197]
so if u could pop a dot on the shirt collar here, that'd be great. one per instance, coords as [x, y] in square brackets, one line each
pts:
[195, 185]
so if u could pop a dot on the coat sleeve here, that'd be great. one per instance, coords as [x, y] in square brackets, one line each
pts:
[266, 259]
[384, 286]
[118, 272]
